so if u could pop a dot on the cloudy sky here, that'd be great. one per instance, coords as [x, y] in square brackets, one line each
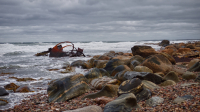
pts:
[98, 20]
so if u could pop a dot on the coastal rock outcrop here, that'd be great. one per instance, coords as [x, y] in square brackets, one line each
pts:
[66, 88]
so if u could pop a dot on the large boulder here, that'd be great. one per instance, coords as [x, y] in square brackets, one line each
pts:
[108, 90]
[195, 67]
[96, 73]
[92, 108]
[130, 86]
[143, 51]
[99, 83]
[119, 69]
[67, 88]
[3, 92]
[164, 43]
[158, 63]
[124, 103]
[143, 76]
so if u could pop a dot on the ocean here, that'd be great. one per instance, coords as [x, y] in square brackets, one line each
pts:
[18, 59]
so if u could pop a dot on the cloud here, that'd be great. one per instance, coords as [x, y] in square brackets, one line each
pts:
[73, 20]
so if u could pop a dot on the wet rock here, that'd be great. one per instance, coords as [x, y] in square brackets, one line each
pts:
[133, 64]
[188, 75]
[96, 73]
[66, 65]
[79, 63]
[164, 43]
[169, 57]
[112, 64]
[172, 76]
[143, 76]
[130, 86]
[119, 69]
[195, 67]
[99, 83]
[68, 70]
[168, 83]
[149, 84]
[138, 58]
[143, 51]
[120, 76]
[92, 108]
[100, 63]
[154, 101]
[124, 103]
[11, 86]
[142, 69]
[109, 91]
[103, 100]
[143, 95]
[67, 88]
[3, 101]
[158, 63]
[192, 62]
[23, 89]
[3, 92]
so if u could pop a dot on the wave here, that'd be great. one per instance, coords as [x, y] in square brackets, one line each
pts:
[15, 53]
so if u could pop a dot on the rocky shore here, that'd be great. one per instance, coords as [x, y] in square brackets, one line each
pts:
[144, 80]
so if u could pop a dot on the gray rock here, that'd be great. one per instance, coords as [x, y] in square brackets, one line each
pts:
[181, 99]
[143, 95]
[3, 92]
[188, 75]
[172, 76]
[124, 103]
[154, 101]
[92, 108]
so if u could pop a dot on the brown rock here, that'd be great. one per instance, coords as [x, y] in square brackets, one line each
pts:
[192, 62]
[11, 86]
[184, 50]
[143, 51]
[99, 83]
[119, 69]
[100, 63]
[103, 100]
[172, 76]
[168, 83]
[142, 69]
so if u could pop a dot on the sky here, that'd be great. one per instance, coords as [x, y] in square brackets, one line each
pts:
[98, 20]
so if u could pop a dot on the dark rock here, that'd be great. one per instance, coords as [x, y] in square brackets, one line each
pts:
[130, 86]
[133, 64]
[157, 63]
[164, 43]
[198, 78]
[92, 108]
[119, 69]
[172, 76]
[143, 76]
[109, 91]
[190, 46]
[67, 88]
[79, 63]
[195, 67]
[143, 95]
[120, 76]
[3, 92]
[154, 101]
[96, 73]
[143, 51]
[124, 103]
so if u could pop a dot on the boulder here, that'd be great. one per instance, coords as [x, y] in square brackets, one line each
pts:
[192, 62]
[137, 58]
[112, 64]
[130, 86]
[103, 100]
[109, 91]
[23, 89]
[133, 64]
[164, 43]
[67, 88]
[169, 57]
[103, 57]
[124, 103]
[100, 63]
[143, 95]
[168, 83]
[172, 76]
[119, 69]
[3, 92]
[11, 86]
[142, 69]
[120, 76]
[157, 63]
[189, 75]
[96, 73]
[92, 108]
[143, 76]
[149, 85]
[154, 101]
[99, 83]
[195, 67]
[171, 50]
[123, 59]
[143, 51]
[79, 63]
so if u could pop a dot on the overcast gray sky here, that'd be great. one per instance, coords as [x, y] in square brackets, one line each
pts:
[98, 20]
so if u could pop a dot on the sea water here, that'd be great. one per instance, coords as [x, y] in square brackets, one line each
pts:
[19, 60]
